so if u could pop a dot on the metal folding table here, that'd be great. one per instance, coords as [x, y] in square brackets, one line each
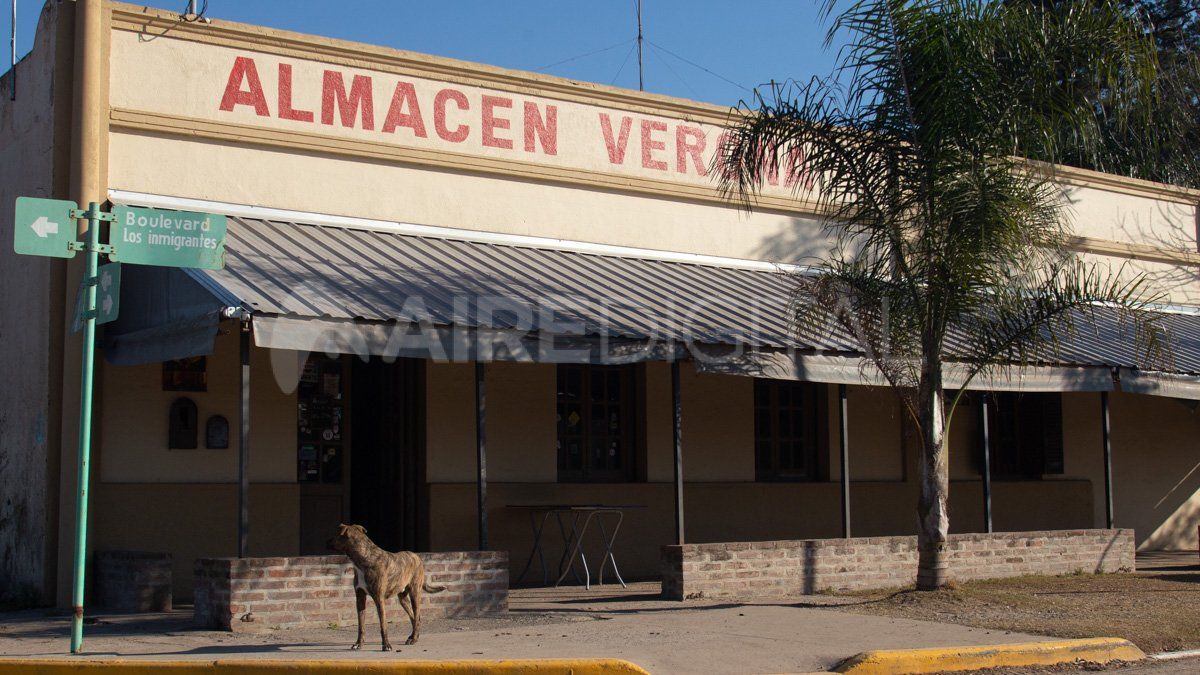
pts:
[580, 517]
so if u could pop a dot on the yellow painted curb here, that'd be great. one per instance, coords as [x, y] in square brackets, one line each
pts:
[1095, 650]
[67, 666]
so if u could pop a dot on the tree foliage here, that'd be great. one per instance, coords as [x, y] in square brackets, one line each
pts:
[951, 247]
[1166, 147]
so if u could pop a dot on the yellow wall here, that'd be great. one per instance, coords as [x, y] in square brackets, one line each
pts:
[193, 520]
[722, 501]
[132, 418]
[874, 423]
[718, 427]
[326, 184]
[150, 498]
[185, 501]
[1156, 470]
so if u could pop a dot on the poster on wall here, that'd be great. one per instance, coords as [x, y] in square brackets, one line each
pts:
[320, 409]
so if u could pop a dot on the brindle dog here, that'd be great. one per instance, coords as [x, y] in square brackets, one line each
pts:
[381, 575]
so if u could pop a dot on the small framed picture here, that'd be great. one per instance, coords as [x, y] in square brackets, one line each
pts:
[189, 374]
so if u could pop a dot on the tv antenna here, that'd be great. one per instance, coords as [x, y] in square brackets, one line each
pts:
[641, 81]
[191, 14]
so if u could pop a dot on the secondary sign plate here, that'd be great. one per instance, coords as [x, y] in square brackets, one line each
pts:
[108, 296]
[167, 238]
[44, 227]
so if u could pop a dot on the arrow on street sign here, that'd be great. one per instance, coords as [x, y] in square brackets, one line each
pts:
[44, 227]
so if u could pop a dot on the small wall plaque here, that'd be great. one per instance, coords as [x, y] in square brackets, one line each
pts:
[183, 425]
[216, 433]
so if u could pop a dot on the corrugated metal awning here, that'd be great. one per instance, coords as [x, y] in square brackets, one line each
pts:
[376, 290]
[301, 270]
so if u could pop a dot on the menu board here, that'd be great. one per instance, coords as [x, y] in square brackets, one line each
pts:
[319, 418]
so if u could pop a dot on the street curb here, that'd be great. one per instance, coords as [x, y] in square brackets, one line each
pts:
[66, 666]
[1095, 650]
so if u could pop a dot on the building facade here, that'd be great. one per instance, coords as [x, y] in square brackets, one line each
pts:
[353, 174]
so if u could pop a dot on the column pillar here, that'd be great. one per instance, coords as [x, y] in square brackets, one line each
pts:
[844, 441]
[481, 452]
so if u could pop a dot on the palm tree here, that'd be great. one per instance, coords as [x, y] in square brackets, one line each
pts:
[945, 235]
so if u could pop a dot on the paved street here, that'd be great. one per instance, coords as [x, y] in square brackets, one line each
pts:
[664, 637]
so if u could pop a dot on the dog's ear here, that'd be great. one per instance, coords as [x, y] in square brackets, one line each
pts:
[342, 527]
[360, 528]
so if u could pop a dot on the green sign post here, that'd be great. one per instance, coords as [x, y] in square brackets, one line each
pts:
[46, 227]
[93, 249]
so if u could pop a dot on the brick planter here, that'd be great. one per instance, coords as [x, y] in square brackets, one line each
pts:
[133, 581]
[252, 594]
[781, 568]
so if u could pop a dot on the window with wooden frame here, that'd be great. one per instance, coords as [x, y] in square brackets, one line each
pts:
[597, 423]
[1026, 434]
[789, 425]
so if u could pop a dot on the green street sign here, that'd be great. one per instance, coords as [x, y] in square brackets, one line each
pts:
[44, 227]
[167, 238]
[108, 296]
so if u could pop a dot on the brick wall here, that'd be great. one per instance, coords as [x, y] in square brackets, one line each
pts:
[250, 594]
[133, 581]
[778, 568]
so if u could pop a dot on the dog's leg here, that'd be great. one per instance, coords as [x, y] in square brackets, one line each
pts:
[379, 607]
[360, 600]
[404, 603]
[414, 599]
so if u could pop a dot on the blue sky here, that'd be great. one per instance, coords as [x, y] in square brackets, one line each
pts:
[745, 43]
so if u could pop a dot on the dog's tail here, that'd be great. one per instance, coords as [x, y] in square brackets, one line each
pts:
[432, 589]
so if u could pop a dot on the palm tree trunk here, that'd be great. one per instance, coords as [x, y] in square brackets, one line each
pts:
[932, 510]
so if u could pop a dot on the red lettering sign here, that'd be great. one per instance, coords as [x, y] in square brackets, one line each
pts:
[459, 134]
[405, 95]
[286, 111]
[333, 95]
[616, 148]
[351, 103]
[649, 145]
[539, 130]
[689, 142]
[491, 123]
[244, 69]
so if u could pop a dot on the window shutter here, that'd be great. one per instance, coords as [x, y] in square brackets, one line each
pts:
[1005, 441]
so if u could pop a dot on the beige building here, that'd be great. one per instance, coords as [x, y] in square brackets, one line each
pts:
[403, 227]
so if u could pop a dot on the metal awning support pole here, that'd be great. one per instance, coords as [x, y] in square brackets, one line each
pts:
[844, 441]
[244, 444]
[1108, 488]
[987, 463]
[677, 443]
[481, 452]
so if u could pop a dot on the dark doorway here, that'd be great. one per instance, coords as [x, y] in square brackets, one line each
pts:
[387, 423]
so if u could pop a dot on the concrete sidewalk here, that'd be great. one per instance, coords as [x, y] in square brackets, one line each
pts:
[795, 635]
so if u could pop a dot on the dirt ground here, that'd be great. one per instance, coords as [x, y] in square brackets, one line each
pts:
[1156, 611]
